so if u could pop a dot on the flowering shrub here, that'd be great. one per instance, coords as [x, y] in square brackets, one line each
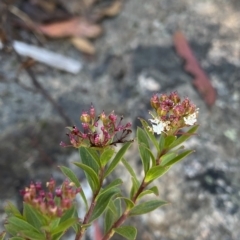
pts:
[49, 212]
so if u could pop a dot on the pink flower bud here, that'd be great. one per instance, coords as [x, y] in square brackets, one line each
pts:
[85, 117]
[92, 112]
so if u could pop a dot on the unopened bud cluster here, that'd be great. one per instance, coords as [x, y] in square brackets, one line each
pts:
[171, 114]
[99, 131]
[52, 202]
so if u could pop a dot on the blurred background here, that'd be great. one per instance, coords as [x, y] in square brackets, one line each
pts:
[57, 57]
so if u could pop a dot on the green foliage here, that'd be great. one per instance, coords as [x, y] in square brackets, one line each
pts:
[117, 158]
[146, 207]
[128, 232]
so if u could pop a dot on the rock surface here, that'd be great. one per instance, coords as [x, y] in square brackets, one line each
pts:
[136, 58]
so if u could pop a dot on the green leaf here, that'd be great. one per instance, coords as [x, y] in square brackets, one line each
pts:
[109, 219]
[155, 172]
[152, 190]
[102, 204]
[113, 184]
[53, 224]
[10, 210]
[169, 140]
[142, 145]
[64, 226]
[130, 169]
[184, 137]
[20, 224]
[95, 155]
[10, 229]
[71, 175]
[128, 232]
[118, 205]
[146, 207]
[27, 234]
[149, 133]
[106, 156]
[117, 158]
[112, 208]
[33, 217]
[167, 158]
[91, 176]
[129, 203]
[162, 142]
[135, 186]
[88, 158]
[68, 214]
[178, 158]
[115, 206]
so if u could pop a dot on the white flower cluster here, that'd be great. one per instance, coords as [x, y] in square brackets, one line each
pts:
[191, 119]
[159, 126]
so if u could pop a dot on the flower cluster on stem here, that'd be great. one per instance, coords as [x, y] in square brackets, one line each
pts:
[45, 200]
[100, 131]
[171, 114]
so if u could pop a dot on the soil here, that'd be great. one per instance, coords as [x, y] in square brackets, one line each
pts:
[135, 59]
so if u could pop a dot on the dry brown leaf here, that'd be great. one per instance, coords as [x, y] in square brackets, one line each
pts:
[201, 80]
[113, 9]
[75, 27]
[83, 45]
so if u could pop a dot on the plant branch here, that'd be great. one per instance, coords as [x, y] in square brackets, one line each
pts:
[124, 216]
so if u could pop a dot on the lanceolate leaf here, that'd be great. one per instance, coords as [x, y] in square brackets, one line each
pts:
[106, 156]
[184, 137]
[102, 204]
[68, 214]
[109, 219]
[20, 224]
[178, 158]
[169, 140]
[28, 234]
[113, 184]
[91, 176]
[135, 186]
[162, 142]
[117, 158]
[146, 207]
[149, 133]
[10, 209]
[155, 172]
[167, 158]
[130, 169]
[64, 225]
[33, 217]
[95, 155]
[88, 159]
[71, 175]
[128, 232]
[152, 190]
[142, 145]
[129, 203]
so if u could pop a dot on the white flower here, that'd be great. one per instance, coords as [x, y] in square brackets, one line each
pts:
[159, 126]
[191, 119]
